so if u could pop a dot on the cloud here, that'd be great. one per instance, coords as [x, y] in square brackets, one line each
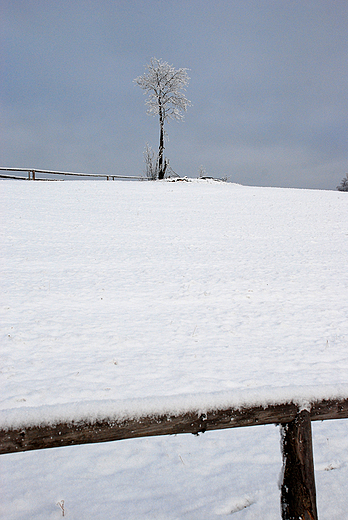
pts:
[268, 87]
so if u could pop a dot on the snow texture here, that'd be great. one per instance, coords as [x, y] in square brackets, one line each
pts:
[120, 299]
[169, 296]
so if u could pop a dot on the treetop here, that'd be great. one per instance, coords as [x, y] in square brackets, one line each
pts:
[165, 86]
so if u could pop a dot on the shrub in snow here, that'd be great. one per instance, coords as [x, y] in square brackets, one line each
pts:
[151, 170]
[344, 184]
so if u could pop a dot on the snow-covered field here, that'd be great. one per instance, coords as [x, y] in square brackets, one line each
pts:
[124, 297]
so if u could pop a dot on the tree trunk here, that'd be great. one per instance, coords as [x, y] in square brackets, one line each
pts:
[161, 166]
[298, 496]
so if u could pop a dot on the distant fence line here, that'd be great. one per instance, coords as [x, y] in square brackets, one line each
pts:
[298, 493]
[31, 174]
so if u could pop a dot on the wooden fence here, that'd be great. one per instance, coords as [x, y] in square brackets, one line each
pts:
[32, 175]
[298, 494]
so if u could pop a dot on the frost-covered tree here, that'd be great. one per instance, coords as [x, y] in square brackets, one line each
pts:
[150, 163]
[166, 88]
[344, 184]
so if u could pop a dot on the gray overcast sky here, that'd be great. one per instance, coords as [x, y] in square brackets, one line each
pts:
[268, 87]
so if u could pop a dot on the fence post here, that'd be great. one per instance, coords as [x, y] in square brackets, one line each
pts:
[298, 495]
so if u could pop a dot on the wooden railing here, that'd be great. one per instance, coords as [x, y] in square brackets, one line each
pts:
[32, 174]
[298, 494]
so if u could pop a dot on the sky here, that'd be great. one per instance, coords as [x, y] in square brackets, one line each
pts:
[268, 87]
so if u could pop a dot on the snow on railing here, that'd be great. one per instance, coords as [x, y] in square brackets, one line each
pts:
[298, 494]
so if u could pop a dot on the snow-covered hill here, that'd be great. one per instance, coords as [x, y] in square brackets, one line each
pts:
[115, 291]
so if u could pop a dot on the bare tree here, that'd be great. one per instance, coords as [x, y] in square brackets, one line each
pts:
[165, 86]
[202, 172]
[150, 163]
[344, 184]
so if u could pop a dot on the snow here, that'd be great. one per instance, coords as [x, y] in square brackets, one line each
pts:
[123, 298]
[120, 410]
[170, 478]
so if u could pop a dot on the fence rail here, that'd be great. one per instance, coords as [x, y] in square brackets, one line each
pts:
[298, 495]
[31, 174]
[85, 432]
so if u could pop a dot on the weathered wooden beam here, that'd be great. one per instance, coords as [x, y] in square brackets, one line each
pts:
[68, 434]
[298, 495]
[84, 432]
